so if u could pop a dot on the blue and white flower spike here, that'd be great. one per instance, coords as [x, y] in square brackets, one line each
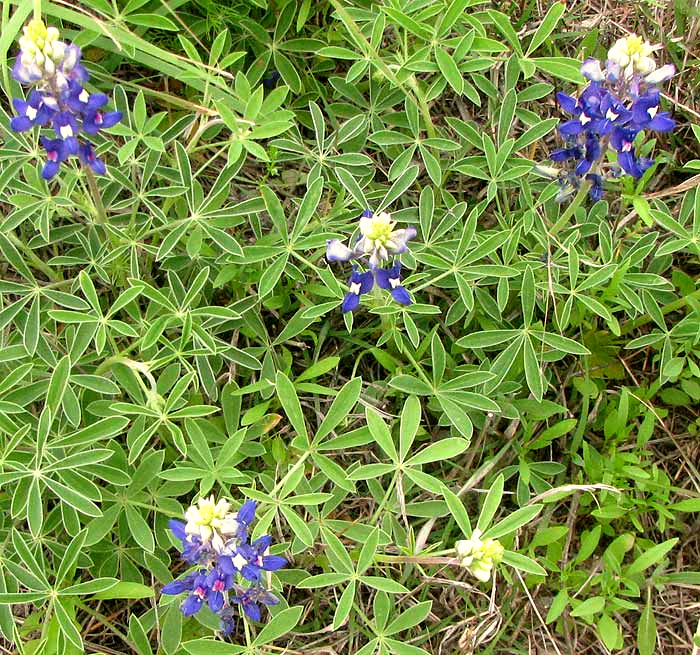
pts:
[620, 102]
[379, 242]
[53, 68]
[216, 541]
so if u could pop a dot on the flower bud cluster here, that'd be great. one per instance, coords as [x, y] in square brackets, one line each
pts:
[228, 567]
[619, 103]
[58, 99]
[478, 556]
[378, 241]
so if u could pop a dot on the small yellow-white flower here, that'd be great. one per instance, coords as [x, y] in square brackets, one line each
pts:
[379, 239]
[633, 55]
[211, 520]
[41, 46]
[478, 556]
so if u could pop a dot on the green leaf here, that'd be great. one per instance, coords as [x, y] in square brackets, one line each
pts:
[279, 625]
[410, 618]
[271, 275]
[652, 556]
[562, 67]
[546, 26]
[381, 433]
[449, 69]
[646, 630]
[341, 407]
[444, 449]
[589, 607]
[323, 580]
[408, 428]
[513, 521]
[89, 587]
[458, 511]
[291, 405]
[411, 385]
[67, 622]
[491, 504]
[124, 589]
[368, 551]
[297, 525]
[523, 563]
[383, 584]
[344, 607]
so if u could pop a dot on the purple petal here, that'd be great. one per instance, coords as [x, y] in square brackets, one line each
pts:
[571, 128]
[50, 169]
[178, 529]
[246, 514]
[252, 611]
[662, 122]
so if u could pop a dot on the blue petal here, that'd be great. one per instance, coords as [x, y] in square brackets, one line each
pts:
[191, 605]
[21, 123]
[251, 572]
[247, 512]
[366, 281]
[400, 295]
[571, 128]
[568, 103]
[252, 611]
[178, 529]
[176, 587]
[382, 276]
[273, 562]
[662, 123]
[216, 601]
[50, 169]
[351, 302]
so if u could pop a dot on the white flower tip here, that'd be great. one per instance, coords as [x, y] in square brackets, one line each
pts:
[337, 251]
[661, 74]
[591, 70]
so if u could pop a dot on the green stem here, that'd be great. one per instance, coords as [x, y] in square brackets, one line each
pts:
[569, 211]
[38, 263]
[422, 106]
[419, 559]
[290, 473]
[37, 10]
[96, 196]
[108, 624]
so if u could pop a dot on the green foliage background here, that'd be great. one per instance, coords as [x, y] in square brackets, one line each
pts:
[186, 338]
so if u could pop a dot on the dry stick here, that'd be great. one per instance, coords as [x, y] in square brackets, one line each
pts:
[537, 612]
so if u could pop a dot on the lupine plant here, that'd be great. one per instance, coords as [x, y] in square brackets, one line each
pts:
[620, 102]
[246, 410]
[217, 543]
[378, 241]
[58, 99]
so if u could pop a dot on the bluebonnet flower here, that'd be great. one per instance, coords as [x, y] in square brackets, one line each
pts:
[58, 98]
[620, 102]
[216, 540]
[359, 283]
[378, 241]
[251, 598]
